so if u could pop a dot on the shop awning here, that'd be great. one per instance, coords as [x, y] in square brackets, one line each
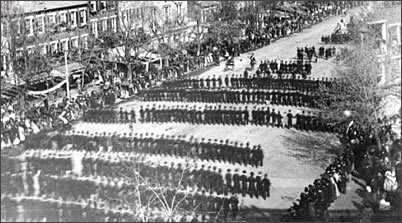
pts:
[280, 14]
[61, 70]
[72, 67]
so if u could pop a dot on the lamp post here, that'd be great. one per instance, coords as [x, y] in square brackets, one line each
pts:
[67, 76]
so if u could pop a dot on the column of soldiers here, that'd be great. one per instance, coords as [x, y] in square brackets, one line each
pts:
[210, 179]
[326, 52]
[287, 98]
[86, 191]
[316, 198]
[71, 188]
[108, 165]
[209, 150]
[261, 81]
[336, 38]
[219, 115]
[309, 52]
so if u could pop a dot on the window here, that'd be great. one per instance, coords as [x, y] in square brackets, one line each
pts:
[39, 25]
[50, 20]
[179, 10]
[83, 17]
[124, 18]
[28, 27]
[137, 13]
[44, 49]
[102, 5]
[111, 5]
[167, 13]
[84, 42]
[132, 14]
[18, 26]
[95, 28]
[99, 25]
[114, 27]
[73, 18]
[93, 6]
[104, 24]
[74, 42]
[63, 20]
[52, 48]
[64, 45]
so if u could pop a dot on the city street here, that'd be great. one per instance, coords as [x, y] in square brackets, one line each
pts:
[285, 49]
[287, 153]
[167, 135]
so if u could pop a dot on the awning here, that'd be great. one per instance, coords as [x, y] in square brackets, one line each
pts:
[286, 9]
[143, 54]
[72, 67]
[280, 14]
[61, 70]
[59, 85]
[40, 78]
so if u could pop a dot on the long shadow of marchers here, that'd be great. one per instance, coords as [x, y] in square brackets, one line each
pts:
[312, 148]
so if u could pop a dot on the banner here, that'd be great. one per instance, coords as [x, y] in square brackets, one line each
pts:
[48, 90]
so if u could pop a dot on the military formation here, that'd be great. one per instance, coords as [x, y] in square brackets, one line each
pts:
[336, 38]
[100, 179]
[286, 98]
[217, 115]
[176, 146]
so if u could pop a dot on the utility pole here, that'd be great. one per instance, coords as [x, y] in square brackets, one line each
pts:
[67, 77]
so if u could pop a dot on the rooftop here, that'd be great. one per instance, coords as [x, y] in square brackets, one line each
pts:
[36, 6]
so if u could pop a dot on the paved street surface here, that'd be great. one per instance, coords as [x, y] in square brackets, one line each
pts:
[286, 49]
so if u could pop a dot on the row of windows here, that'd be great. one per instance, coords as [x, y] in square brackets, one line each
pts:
[60, 46]
[50, 48]
[40, 23]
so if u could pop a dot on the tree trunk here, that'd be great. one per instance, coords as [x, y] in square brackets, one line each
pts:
[378, 140]
[129, 72]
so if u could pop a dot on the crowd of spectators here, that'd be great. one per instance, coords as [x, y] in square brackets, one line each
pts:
[378, 167]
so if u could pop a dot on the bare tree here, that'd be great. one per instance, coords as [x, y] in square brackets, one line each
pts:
[151, 192]
[130, 38]
[23, 46]
[358, 89]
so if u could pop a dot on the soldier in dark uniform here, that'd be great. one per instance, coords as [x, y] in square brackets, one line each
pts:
[132, 113]
[290, 118]
[226, 81]
[260, 188]
[208, 82]
[213, 80]
[273, 118]
[266, 184]
[245, 116]
[251, 185]
[243, 179]
[236, 182]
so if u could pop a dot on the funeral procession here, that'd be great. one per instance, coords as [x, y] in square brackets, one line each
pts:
[200, 111]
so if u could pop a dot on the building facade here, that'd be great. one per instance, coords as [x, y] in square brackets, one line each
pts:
[50, 27]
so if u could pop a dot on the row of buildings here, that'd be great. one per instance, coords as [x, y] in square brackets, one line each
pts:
[57, 26]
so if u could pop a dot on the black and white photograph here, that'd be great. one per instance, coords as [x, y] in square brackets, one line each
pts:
[200, 111]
